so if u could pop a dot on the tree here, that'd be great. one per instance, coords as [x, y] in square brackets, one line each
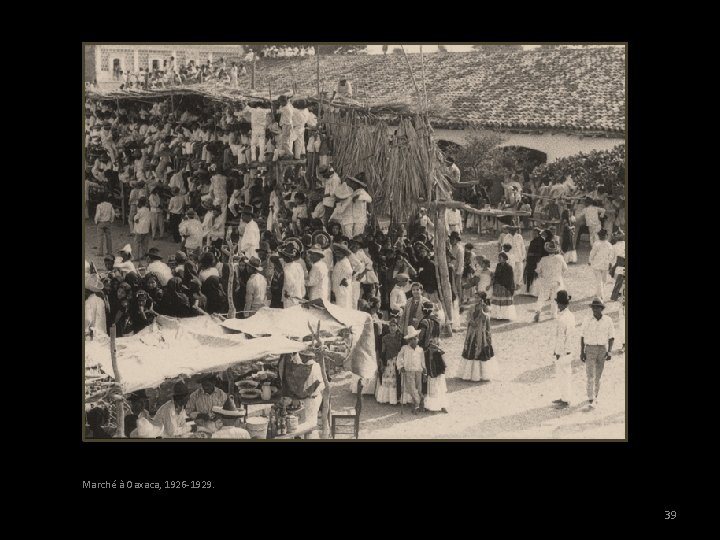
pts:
[479, 159]
[342, 49]
[397, 50]
[442, 48]
[385, 49]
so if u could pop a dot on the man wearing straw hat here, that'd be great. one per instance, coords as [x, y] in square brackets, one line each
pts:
[360, 200]
[596, 341]
[331, 181]
[565, 327]
[227, 418]
[411, 364]
[256, 288]
[344, 210]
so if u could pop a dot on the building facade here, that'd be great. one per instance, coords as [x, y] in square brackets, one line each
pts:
[105, 63]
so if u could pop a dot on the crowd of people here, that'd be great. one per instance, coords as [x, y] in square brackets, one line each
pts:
[202, 172]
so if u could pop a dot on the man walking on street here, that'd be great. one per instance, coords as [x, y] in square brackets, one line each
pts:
[550, 272]
[564, 328]
[596, 341]
[104, 216]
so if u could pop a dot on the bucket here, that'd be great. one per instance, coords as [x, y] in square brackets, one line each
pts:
[291, 421]
[257, 427]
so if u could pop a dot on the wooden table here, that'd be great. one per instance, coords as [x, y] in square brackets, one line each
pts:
[498, 214]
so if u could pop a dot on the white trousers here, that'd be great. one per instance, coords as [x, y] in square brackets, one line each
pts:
[547, 292]
[601, 277]
[257, 143]
[563, 377]
[311, 408]
[299, 144]
[594, 230]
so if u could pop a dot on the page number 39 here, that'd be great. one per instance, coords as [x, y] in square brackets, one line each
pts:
[670, 514]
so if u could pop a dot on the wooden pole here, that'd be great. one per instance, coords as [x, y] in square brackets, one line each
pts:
[122, 200]
[317, 70]
[326, 390]
[231, 280]
[119, 405]
[252, 78]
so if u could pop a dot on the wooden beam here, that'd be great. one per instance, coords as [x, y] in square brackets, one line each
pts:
[119, 402]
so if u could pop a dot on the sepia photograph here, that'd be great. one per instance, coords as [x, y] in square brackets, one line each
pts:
[354, 241]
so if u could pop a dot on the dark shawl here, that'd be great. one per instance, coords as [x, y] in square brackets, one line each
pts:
[504, 276]
[175, 302]
[216, 298]
[427, 276]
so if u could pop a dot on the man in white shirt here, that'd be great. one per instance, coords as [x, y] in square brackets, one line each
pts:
[141, 227]
[550, 272]
[294, 282]
[314, 385]
[331, 182]
[158, 267]
[192, 232]
[398, 295]
[171, 416]
[411, 365]
[318, 281]
[342, 276]
[214, 225]
[360, 200]
[176, 205]
[104, 216]
[286, 125]
[592, 219]
[258, 123]
[453, 220]
[564, 330]
[256, 288]
[596, 341]
[602, 255]
[250, 240]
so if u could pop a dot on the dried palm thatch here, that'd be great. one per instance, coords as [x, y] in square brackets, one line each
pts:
[395, 164]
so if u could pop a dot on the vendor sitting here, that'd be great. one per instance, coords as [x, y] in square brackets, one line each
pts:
[227, 419]
[202, 400]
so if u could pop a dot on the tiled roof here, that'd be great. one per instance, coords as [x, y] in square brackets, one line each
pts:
[564, 89]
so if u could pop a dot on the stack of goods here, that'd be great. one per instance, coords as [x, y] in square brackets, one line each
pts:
[97, 382]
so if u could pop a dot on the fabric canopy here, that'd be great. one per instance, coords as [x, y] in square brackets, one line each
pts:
[293, 323]
[180, 347]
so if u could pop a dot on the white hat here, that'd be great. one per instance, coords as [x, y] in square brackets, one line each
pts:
[343, 191]
[412, 332]
[127, 249]
[93, 283]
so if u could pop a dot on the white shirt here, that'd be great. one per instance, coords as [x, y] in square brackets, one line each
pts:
[318, 282]
[564, 328]
[518, 245]
[161, 270]
[95, 316]
[174, 424]
[359, 206]
[458, 252]
[294, 284]
[602, 254]
[411, 359]
[214, 227]
[250, 241]
[551, 268]
[231, 432]
[255, 292]
[343, 295]
[592, 216]
[104, 212]
[193, 232]
[142, 221]
[398, 298]
[453, 217]
[598, 332]
[331, 184]
[176, 204]
[286, 115]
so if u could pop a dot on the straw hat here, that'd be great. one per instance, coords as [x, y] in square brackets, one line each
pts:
[255, 263]
[597, 303]
[552, 247]
[343, 192]
[296, 242]
[322, 239]
[289, 250]
[126, 249]
[317, 250]
[339, 248]
[402, 276]
[412, 332]
[228, 410]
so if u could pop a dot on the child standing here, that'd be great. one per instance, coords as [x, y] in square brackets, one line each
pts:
[386, 392]
[411, 364]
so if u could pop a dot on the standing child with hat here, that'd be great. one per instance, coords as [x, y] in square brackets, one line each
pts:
[411, 363]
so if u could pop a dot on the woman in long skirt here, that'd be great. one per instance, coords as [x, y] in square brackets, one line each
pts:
[387, 390]
[567, 238]
[535, 252]
[436, 390]
[479, 363]
[503, 290]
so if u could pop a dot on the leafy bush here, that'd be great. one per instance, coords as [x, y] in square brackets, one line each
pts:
[589, 171]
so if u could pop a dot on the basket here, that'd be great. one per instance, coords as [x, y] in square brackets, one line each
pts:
[291, 422]
[257, 427]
